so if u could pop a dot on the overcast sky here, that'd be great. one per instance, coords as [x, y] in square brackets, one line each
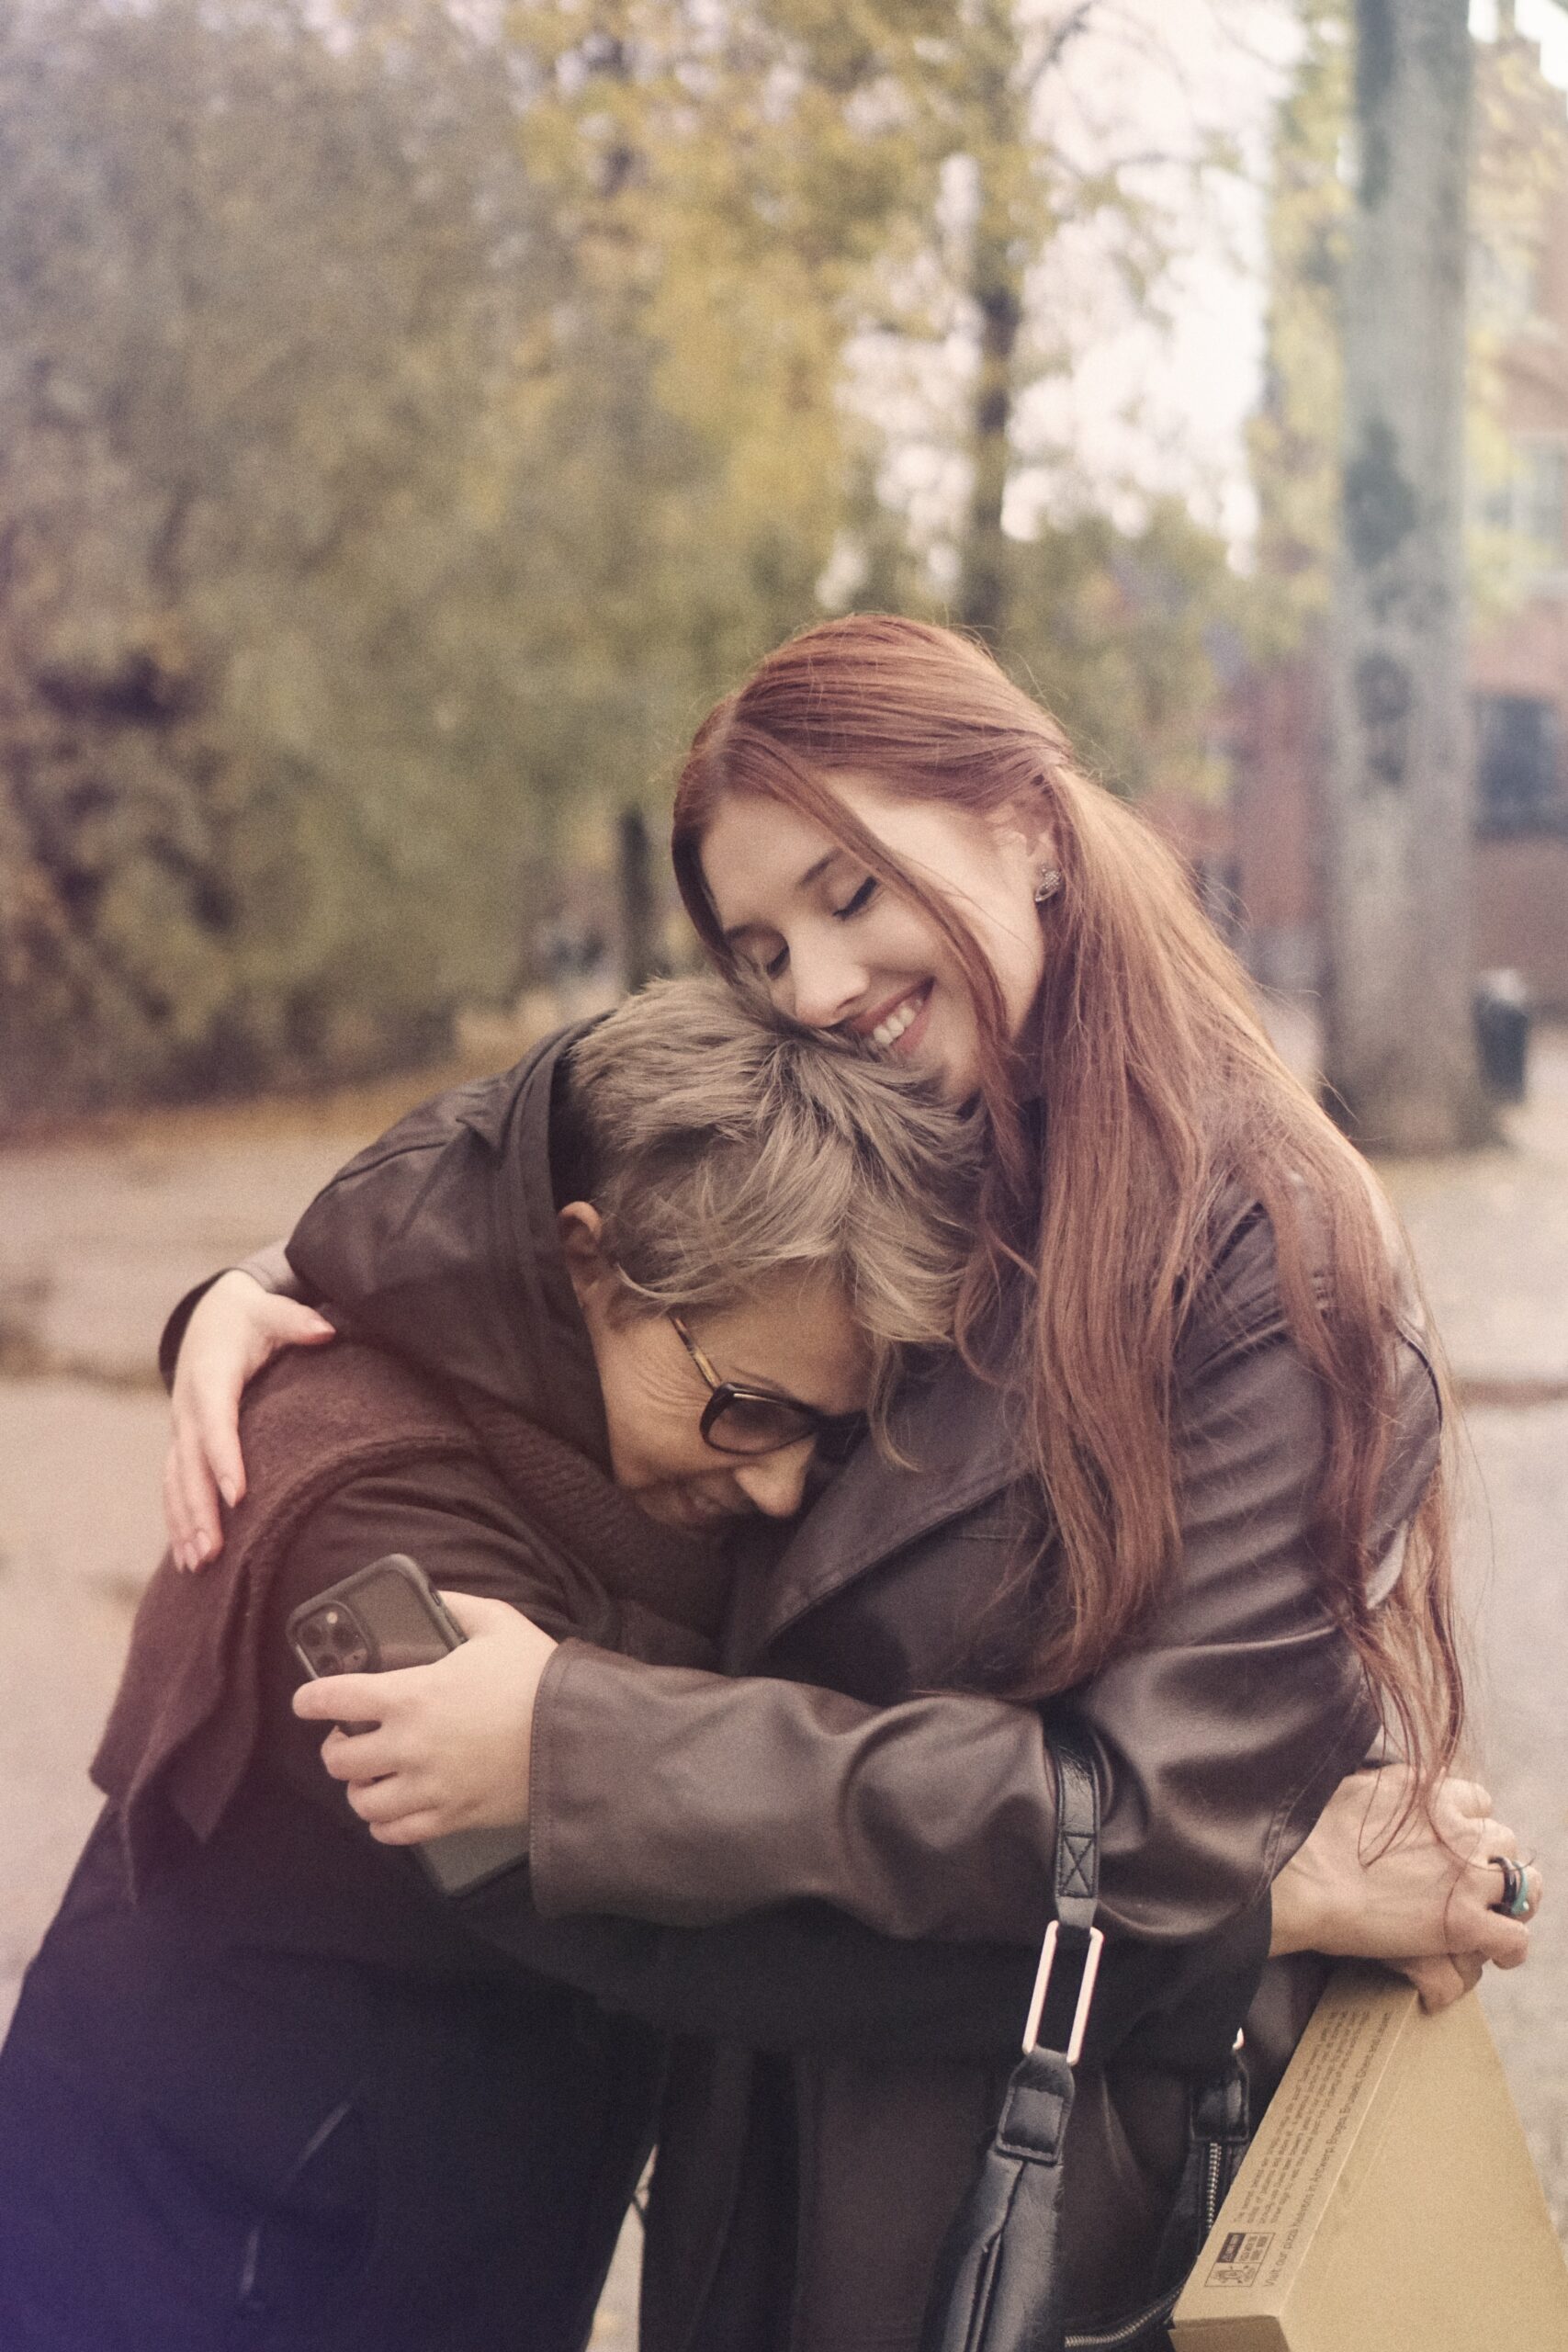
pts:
[1149, 404]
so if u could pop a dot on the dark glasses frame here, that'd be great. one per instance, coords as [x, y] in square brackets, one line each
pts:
[835, 1435]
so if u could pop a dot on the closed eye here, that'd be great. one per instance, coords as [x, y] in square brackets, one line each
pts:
[773, 967]
[862, 899]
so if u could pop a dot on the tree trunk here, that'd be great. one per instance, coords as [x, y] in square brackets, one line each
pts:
[983, 587]
[996, 288]
[640, 957]
[1401, 1046]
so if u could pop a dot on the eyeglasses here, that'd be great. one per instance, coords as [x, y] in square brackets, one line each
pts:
[737, 1420]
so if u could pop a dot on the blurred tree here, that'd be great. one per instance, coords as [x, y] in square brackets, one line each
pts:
[681, 403]
[1382, 984]
[973, 101]
[257, 286]
[1002, 57]
[1126, 635]
[1293, 439]
[1401, 1048]
[411, 416]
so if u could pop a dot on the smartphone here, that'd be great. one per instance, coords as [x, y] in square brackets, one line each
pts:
[389, 1615]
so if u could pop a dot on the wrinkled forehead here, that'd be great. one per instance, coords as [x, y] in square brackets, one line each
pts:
[795, 1332]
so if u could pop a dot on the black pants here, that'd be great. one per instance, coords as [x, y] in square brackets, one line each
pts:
[210, 2140]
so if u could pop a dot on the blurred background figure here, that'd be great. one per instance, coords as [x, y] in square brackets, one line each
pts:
[575, 958]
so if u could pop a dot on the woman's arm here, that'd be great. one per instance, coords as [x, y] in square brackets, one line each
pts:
[214, 1343]
[411, 1242]
[918, 1747]
[1420, 1901]
[270, 1272]
[796, 1977]
[449, 1749]
[1377, 1880]
[1220, 1737]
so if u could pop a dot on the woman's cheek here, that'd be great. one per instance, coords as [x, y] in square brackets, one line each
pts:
[951, 1052]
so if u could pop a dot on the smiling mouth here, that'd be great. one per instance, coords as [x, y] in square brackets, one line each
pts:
[891, 1026]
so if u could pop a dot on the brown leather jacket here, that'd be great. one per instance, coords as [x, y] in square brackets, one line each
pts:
[799, 2201]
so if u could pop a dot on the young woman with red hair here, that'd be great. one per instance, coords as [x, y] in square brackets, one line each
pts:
[894, 838]
[1181, 1478]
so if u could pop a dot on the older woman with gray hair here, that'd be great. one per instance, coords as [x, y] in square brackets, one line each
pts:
[265, 2085]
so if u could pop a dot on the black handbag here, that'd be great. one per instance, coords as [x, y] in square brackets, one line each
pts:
[997, 2285]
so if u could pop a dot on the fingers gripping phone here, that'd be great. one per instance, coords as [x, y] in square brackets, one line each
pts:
[386, 1616]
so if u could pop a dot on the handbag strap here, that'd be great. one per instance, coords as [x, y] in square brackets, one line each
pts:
[999, 2284]
[1072, 1936]
[997, 2281]
[1077, 1829]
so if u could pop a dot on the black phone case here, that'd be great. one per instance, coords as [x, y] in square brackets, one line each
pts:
[388, 1616]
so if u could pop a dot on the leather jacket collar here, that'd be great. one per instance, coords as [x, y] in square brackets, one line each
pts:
[959, 1447]
[439, 1241]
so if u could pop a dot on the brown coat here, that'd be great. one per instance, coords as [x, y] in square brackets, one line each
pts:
[800, 2202]
[273, 1965]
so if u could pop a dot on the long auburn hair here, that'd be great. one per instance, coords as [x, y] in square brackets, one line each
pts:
[1161, 1093]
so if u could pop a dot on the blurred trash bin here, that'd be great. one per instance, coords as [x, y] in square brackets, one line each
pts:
[1503, 1031]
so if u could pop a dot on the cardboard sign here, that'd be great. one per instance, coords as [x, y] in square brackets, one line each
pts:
[1388, 2202]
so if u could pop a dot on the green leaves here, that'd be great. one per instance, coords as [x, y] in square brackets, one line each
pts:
[410, 423]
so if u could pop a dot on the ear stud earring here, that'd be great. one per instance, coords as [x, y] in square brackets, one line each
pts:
[1050, 882]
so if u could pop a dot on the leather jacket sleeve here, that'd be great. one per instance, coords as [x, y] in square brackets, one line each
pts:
[688, 1797]
[798, 1976]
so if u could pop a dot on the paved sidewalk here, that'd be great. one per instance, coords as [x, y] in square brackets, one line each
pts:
[99, 1233]
[1490, 1234]
[1490, 1238]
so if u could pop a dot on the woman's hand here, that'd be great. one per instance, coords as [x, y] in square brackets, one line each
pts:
[1423, 1903]
[449, 1749]
[234, 1328]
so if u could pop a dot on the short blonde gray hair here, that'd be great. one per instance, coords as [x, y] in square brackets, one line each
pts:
[728, 1147]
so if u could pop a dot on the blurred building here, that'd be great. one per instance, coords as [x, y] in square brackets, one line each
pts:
[1264, 857]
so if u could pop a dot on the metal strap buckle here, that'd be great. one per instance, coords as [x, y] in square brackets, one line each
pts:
[1085, 1991]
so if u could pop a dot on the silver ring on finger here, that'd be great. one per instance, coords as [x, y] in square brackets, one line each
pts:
[1516, 1903]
